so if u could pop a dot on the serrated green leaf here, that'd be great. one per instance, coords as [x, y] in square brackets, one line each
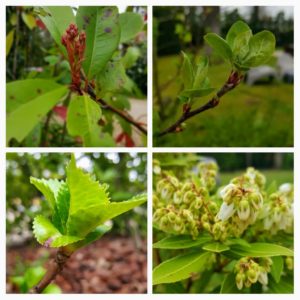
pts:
[261, 250]
[195, 93]
[180, 242]
[187, 72]
[201, 73]
[131, 24]
[82, 120]
[87, 198]
[29, 20]
[21, 120]
[9, 40]
[180, 267]
[228, 285]
[102, 29]
[261, 48]
[219, 45]
[216, 247]
[47, 234]
[236, 29]
[277, 267]
[57, 19]
[115, 209]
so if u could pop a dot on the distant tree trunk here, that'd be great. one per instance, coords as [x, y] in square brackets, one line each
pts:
[278, 160]
[212, 22]
[249, 159]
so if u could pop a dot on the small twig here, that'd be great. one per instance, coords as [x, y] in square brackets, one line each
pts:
[56, 266]
[234, 79]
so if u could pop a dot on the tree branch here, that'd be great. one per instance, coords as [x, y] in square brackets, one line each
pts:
[233, 80]
[56, 266]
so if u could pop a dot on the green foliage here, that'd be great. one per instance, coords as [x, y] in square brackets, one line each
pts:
[9, 40]
[131, 24]
[180, 242]
[80, 206]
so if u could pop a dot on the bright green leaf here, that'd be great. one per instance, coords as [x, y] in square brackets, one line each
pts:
[187, 72]
[131, 56]
[52, 289]
[219, 45]
[180, 267]
[201, 73]
[261, 250]
[82, 120]
[236, 29]
[240, 46]
[29, 20]
[57, 19]
[228, 285]
[102, 36]
[33, 275]
[23, 119]
[215, 247]
[131, 24]
[9, 40]
[195, 93]
[180, 242]
[277, 267]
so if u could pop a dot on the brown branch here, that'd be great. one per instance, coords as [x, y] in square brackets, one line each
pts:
[117, 111]
[55, 267]
[234, 80]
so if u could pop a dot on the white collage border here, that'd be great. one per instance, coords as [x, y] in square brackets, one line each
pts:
[149, 149]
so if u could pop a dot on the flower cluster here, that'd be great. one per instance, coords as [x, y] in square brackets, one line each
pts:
[250, 270]
[75, 45]
[278, 210]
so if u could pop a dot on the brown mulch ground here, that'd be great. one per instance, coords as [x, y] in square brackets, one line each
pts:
[109, 265]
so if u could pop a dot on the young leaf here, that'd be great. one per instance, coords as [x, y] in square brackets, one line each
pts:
[277, 267]
[131, 24]
[236, 29]
[57, 19]
[229, 285]
[9, 40]
[195, 93]
[261, 250]
[180, 267]
[47, 234]
[29, 20]
[187, 72]
[261, 48]
[87, 199]
[215, 247]
[201, 73]
[25, 116]
[180, 242]
[219, 45]
[240, 46]
[102, 30]
[131, 56]
[82, 120]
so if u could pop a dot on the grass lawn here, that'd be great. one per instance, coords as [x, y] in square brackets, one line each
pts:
[257, 116]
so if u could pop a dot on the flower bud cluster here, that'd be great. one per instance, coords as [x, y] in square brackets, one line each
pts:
[250, 270]
[278, 210]
[208, 174]
[242, 201]
[289, 262]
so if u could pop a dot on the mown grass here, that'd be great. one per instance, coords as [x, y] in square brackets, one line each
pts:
[257, 116]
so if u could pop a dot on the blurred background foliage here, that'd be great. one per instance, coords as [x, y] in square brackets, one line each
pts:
[257, 115]
[125, 174]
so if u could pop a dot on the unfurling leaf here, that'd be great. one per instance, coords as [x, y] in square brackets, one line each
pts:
[187, 72]
[235, 30]
[200, 73]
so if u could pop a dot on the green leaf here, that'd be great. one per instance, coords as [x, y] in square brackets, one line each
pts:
[131, 24]
[195, 93]
[187, 72]
[277, 267]
[29, 20]
[180, 267]
[114, 79]
[180, 242]
[52, 289]
[240, 46]
[102, 36]
[284, 286]
[82, 120]
[57, 19]
[261, 250]
[229, 286]
[201, 73]
[47, 234]
[33, 275]
[131, 56]
[23, 119]
[9, 40]
[49, 188]
[115, 209]
[261, 48]
[236, 29]
[219, 45]
[215, 247]
[87, 199]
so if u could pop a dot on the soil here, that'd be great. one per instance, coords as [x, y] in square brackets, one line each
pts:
[109, 265]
